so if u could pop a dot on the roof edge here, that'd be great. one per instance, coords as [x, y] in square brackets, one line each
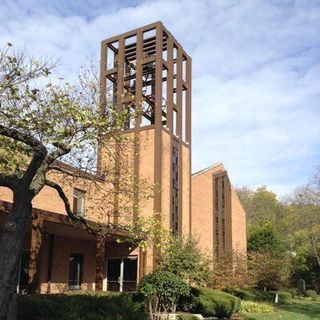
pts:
[207, 169]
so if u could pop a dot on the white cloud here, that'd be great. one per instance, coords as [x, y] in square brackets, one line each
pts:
[256, 72]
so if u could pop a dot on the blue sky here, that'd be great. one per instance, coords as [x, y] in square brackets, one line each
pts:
[256, 72]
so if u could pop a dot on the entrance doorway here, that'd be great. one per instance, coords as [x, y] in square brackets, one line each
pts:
[122, 274]
[75, 271]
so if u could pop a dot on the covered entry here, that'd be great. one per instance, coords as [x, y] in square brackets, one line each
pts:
[122, 273]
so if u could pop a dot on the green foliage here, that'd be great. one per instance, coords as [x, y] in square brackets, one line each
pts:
[292, 291]
[161, 291]
[294, 228]
[269, 271]
[311, 293]
[230, 271]
[284, 296]
[260, 295]
[256, 307]
[261, 205]
[210, 302]
[187, 317]
[183, 257]
[246, 294]
[265, 239]
[80, 307]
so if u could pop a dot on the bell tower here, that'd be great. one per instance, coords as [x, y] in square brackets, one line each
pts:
[147, 72]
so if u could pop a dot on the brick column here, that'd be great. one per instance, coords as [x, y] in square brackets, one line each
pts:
[35, 246]
[100, 256]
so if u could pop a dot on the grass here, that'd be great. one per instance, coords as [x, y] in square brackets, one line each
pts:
[298, 310]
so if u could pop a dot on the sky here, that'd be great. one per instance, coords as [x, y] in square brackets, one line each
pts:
[256, 72]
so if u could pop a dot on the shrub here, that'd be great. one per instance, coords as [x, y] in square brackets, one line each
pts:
[210, 302]
[284, 296]
[256, 307]
[311, 293]
[244, 294]
[259, 295]
[187, 317]
[252, 294]
[293, 291]
[161, 291]
[88, 306]
[184, 258]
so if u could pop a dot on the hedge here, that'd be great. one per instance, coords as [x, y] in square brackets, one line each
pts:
[311, 293]
[210, 302]
[259, 295]
[187, 317]
[80, 307]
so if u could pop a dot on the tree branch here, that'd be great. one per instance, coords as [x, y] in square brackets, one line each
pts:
[25, 138]
[73, 217]
[40, 180]
[10, 182]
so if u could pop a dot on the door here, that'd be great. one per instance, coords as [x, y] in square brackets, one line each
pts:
[129, 274]
[122, 274]
[75, 271]
[114, 274]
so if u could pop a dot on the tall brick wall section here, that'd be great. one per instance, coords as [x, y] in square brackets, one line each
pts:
[239, 224]
[202, 211]
[203, 222]
[186, 176]
[166, 179]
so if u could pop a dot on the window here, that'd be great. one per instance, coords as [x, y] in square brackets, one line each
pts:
[75, 271]
[216, 216]
[78, 202]
[175, 191]
[223, 204]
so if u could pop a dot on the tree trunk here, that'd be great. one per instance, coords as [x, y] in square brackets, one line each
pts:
[12, 233]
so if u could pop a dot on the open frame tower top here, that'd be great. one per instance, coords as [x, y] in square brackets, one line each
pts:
[147, 72]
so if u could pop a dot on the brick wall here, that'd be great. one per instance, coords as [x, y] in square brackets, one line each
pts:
[203, 221]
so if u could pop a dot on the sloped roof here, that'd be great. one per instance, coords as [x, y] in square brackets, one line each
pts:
[215, 165]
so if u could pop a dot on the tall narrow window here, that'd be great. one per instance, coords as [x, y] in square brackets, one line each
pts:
[216, 216]
[78, 202]
[175, 191]
[75, 271]
[223, 216]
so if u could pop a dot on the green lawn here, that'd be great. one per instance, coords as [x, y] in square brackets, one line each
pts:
[298, 310]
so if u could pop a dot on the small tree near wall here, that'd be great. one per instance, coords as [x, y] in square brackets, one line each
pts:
[161, 291]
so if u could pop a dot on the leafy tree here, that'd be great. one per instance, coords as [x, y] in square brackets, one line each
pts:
[230, 271]
[304, 204]
[291, 225]
[265, 239]
[162, 290]
[40, 123]
[268, 270]
[183, 257]
[261, 206]
[305, 266]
